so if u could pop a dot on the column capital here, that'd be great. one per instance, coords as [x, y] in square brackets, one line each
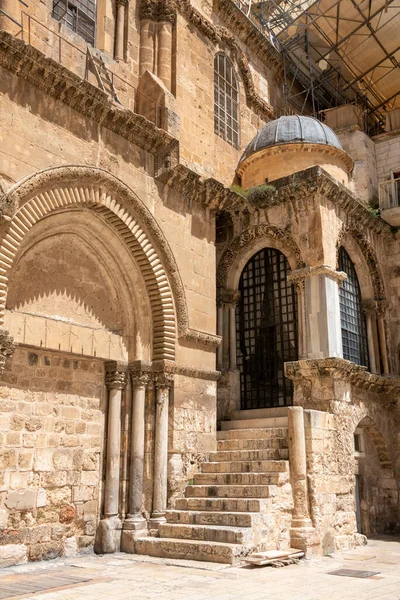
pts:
[369, 307]
[228, 297]
[115, 375]
[381, 307]
[163, 380]
[7, 348]
[299, 275]
[140, 372]
[123, 3]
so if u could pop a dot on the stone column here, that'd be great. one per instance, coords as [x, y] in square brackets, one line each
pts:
[7, 348]
[146, 51]
[381, 309]
[108, 534]
[164, 62]
[163, 382]
[120, 29]
[322, 310]
[220, 319]
[369, 308]
[302, 532]
[301, 319]
[232, 336]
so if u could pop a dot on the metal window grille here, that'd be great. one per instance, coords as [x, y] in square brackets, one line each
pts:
[78, 15]
[266, 328]
[226, 100]
[354, 330]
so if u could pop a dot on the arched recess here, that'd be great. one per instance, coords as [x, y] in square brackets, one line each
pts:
[250, 241]
[365, 261]
[376, 488]
[63, 188]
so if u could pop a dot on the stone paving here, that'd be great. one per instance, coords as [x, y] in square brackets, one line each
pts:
[131, 577]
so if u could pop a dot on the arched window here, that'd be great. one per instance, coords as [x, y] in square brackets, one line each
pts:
[226, 100]
[78, 15]
[354, 331]
[266, 323]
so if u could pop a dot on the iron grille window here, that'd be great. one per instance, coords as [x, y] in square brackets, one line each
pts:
[266, 328]
[354, 331]
[78, 15]
[226, 100]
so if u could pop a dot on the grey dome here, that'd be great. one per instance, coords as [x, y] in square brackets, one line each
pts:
[294, 129]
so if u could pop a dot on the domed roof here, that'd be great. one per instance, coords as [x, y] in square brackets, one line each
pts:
[295, 129]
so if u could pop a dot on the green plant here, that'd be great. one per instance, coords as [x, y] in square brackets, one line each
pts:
[259, 194]
[238, 190]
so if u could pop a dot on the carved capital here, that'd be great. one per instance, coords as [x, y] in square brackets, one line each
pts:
[7, 348]
[228, 297]
[300, 274]
[369, 308]
[115, 376]
[381, 307]
[158, 10]
[163, 380]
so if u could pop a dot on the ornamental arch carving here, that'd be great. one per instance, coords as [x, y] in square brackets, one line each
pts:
[61, 189]
[242, 248]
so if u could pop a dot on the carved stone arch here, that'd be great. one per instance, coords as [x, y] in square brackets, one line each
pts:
[61, 188]
[362, 253]
[246, 245]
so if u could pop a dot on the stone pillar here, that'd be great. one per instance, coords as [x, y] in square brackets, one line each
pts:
[146, 52]
[322, 310]
[7, 348]
[220, 319]
[301, 319]
[369, 308]
[381, 309]
[163, 382]
[120, 29]
[164, 62]
[108, 534]
[232, 336]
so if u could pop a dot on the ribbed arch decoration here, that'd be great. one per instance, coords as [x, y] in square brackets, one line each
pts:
[266, 330]
[352, 318]
[59, 195]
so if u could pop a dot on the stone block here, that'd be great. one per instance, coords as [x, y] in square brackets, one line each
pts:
[3, 518]
[41, 498]
[21, 499]
[43, 460]
[13, 554]
[62, 460]
[89, 478]
[25, 460]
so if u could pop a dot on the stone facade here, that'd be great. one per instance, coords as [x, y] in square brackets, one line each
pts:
[122, 244]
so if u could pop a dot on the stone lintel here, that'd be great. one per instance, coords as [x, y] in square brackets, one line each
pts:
[339, 368]
[300, 274]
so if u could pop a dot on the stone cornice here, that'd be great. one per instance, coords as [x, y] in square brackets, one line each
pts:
[301, 274]
[59, 82]
[339, 368]
[201, 338]
[166, 366]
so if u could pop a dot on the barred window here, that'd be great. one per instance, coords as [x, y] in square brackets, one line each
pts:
[226, 100]
[78, 15]
[266, 330]
[352, 318]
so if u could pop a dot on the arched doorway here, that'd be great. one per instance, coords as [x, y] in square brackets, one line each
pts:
[266, 327]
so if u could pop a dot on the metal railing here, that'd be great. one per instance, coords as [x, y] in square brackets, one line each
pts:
[60, 49]
[389, 194]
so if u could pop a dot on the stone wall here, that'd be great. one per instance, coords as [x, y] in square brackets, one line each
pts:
[51, 422]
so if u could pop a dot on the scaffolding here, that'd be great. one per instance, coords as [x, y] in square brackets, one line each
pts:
[335, 52]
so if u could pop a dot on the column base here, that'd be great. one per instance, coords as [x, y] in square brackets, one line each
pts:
[135, 523]
[155, 521]
[305, 539]
[108, 536]
[130, 533]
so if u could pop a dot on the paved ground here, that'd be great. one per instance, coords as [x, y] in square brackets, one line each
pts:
[127, 577]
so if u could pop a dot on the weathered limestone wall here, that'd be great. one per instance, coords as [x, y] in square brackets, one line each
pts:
[387, 150]
[52, 420]
[363, 181]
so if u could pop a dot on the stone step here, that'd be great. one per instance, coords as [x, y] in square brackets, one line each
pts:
[253, 505]
[206, 533]
[248, 455]
[253, 434]
[225, 519]
[275, 478]
[251, 444]
[259, 413]
[260, 423]
[249, 466]
[230, 491]
[192, 550]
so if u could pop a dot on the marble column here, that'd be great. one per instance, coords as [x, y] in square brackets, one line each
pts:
[120, 29]
[220, 325]
[381, 309]
[164, 62]
[163, 382]
[108, 534]
[146, 51]
[369, 308]
[232, 337]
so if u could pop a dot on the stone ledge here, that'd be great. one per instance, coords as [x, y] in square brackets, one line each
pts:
[33, 66]
[339, 368]
[300, 274]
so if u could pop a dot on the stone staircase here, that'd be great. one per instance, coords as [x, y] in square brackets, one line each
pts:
[241, 501]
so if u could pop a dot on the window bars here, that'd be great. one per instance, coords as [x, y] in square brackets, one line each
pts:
[226, 100]
[354, 330]
[78, 15]
[266, 330]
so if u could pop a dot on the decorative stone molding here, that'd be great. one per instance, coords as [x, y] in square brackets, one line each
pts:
[300, 274]
[7, 348]
[355, 230]
[227, 297]
[197, 373]
[339, 368]
[369, 307]
[157, 10]
[240, 242]
[381, 307]
[116, 374]
[163, 380]
[63, 187]
[200, 338]
[140, 372]
[62, 84]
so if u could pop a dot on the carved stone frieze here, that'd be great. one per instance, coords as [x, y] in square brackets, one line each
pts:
[116, 374]
[158, 10]
[239, 243]
[301, 274]
[200, 338]
[7, 348]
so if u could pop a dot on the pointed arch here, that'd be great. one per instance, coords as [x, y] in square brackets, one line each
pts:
[61, 188]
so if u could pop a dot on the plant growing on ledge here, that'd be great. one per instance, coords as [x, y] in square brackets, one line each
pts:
[235, 187]
[260, 194]
[373, 206]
